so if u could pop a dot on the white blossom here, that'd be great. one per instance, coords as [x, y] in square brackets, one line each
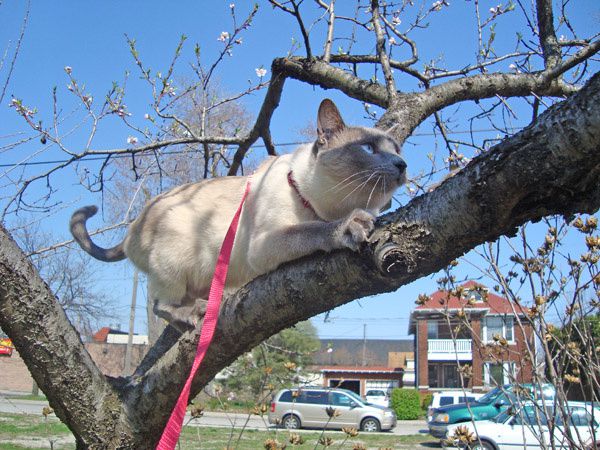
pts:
[396, 20]
[132, 140]
[68, 69]
[260, 72]
[437, 6]
[232, 5]
[392, 41]
[223, 37]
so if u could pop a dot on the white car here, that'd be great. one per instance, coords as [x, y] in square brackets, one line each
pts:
[528, 428]
[377, 397]
[445, 398]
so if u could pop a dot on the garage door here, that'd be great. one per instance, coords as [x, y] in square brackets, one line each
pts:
[386, 385]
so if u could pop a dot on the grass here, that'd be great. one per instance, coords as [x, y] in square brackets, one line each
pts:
[22, 431]
[219, 438]
[41, 398]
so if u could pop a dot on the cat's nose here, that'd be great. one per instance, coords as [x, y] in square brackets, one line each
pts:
[400, 164]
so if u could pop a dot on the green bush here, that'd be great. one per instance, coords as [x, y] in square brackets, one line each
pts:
[406, 403]
[426, 400]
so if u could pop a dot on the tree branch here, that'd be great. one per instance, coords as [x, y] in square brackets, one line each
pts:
[548, 41]
[263, 121]
[381, 52]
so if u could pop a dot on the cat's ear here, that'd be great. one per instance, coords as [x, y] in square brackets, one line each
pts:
[329, 122]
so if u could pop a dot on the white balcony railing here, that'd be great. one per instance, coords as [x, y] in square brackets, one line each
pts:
[449, 349]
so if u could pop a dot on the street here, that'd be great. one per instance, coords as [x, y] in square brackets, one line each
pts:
[208, 419]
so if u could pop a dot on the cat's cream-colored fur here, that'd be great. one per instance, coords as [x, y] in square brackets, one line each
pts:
[346, 176]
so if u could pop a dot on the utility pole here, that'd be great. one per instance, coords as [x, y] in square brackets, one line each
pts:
[127, 369]
[364, 356]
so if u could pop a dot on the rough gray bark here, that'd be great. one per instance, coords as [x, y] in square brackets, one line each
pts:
[552, 167]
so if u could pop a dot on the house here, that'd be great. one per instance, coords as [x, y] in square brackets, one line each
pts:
[487, 335]
[109, 346]
[363, 364]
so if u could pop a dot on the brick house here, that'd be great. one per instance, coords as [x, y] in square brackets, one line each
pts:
[486, 334]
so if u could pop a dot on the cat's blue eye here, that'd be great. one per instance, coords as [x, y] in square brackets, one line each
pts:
[370, 148]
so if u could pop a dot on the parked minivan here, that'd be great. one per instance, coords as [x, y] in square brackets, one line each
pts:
[319, 407]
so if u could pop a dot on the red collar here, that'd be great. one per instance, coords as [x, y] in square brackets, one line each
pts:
[305, 202]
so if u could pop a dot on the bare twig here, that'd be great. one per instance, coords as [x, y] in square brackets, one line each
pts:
[381, 51]
[16, 53]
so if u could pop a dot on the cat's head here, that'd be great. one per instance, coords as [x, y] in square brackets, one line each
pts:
[358, 167]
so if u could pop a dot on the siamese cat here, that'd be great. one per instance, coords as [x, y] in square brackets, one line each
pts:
[323, 196]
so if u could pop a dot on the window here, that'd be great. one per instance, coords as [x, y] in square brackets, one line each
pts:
[498, 374]
[578, 417]
[432, 374]
[446, 401]
[338, 399]
[475, 295]
[432, 329]
[531, 417]
[315, 397]
[498, 326]
[451, 376]
[286, 397]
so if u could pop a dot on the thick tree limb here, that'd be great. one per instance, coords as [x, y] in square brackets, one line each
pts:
[552, 167]
[53, 352]
[408, 110]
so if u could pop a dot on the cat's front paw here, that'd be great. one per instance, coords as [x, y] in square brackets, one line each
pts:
[355, 229]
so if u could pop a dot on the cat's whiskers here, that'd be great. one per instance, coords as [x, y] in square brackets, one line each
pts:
[360, 180]
[347, 179]
[373, 190]
[360, 186]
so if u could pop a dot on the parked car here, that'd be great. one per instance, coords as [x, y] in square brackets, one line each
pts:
[313, 407]
[446, 398]
[529, 427]
[377, 397]
[488, 406]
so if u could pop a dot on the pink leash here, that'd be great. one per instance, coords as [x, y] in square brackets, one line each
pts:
[171, 433]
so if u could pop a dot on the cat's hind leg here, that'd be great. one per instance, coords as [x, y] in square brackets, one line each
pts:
[180, 308]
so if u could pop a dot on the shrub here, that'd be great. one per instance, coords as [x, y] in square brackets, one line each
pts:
[426, 400]
[406, 403]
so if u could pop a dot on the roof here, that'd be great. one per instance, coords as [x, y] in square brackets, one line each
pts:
[440, 301]
[349, 352]
[360, 369]
[102, 334]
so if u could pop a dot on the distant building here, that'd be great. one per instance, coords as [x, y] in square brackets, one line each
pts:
[360, 365]
[493, 348]
[108, 347]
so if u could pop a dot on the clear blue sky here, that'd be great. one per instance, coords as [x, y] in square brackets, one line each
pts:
[89, 37]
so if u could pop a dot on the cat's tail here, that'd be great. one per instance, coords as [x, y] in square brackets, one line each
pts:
[82, 237]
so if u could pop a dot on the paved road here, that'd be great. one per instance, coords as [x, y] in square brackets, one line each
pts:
[209, 419]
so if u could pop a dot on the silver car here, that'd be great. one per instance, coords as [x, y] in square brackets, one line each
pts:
[318, 407]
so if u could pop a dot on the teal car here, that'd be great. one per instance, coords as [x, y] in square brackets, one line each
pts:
[488, 406]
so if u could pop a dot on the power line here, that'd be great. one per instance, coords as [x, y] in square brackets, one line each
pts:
[178, 152]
